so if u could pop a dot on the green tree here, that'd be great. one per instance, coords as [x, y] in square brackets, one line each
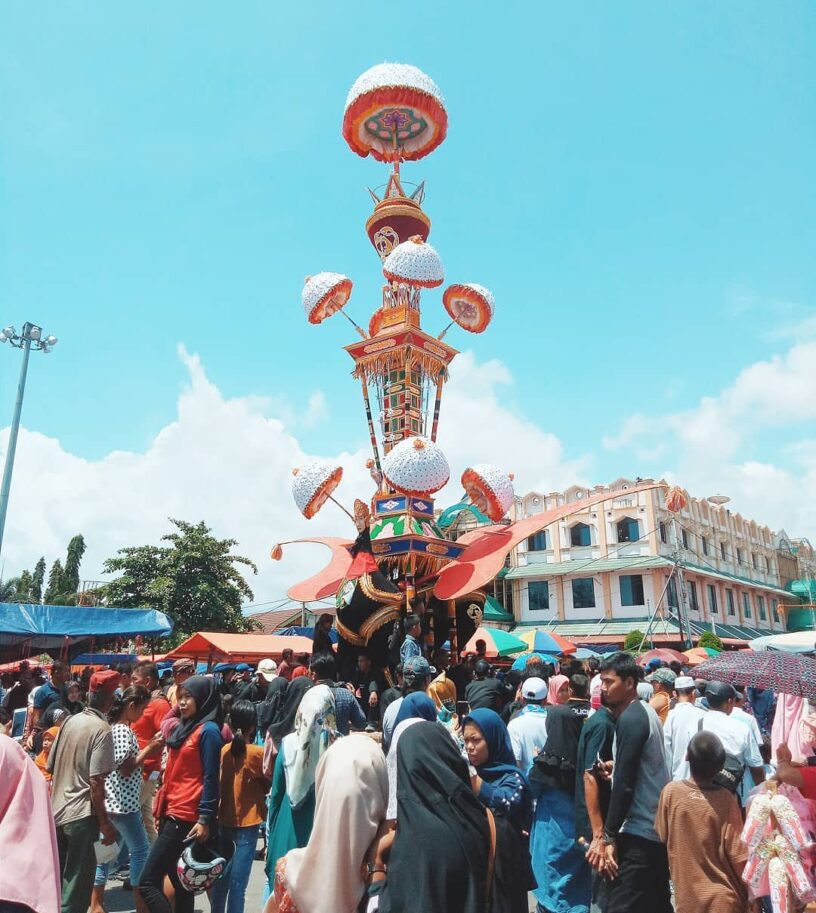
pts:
[70, 573]
[8, 589]
[54, 588]
[37, 580]
[633, 641]
[710, 639]
[194, 579]
[23, 591]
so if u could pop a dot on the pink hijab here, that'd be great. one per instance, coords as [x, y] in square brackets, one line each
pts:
[788, 729]
[351, 797]
[556, 683]
[26, 822]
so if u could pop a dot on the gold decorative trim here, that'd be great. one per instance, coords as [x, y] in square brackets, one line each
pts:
[347, 634]
[374, 622]
[376, 594]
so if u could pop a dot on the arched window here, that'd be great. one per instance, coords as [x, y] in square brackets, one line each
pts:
[537, 542]
[580, 535]
[628, 530]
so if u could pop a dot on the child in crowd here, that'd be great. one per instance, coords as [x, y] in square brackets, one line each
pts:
[700, 823]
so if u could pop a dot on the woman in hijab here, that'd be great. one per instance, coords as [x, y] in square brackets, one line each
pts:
[440, 856]
[29, 872]
[327, 875]
[321, 642]
[416, 705]
[187, 803]
[292, 799]
[496, 779]
[502, 788]
[559, 864]
[42, 758]
[283, 721]
[558, 690]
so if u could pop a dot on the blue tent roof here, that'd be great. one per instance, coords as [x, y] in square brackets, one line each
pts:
[71, 629]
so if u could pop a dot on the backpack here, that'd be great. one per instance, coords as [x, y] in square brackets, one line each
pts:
[733, 770]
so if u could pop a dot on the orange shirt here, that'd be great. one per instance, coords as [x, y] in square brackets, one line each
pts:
[243, 788]
[146, 727]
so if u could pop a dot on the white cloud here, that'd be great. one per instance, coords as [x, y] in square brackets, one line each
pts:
[226, 462]
[713, 447]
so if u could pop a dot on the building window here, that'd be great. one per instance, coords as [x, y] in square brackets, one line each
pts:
[628, 530]
[631, 589]
[537, 542]
[538, 595]
[664, 534]
[740, 556]
[671, 594]
[692, 591]
[685, 539]
[754, 561]
[583, 593]
[704, 544]
[775, 609]
[729, 595]
[579, 535]
[722, 551]
[712, 599]
[763, 615]
[746, 605]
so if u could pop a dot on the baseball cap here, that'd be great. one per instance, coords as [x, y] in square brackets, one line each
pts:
[417, 666]
[534, 689]
[183, 665]
[104, 681]
[268, 668]
[720, 691]
[653, 663]
[683, 682]
[662, 677]
[242, 667]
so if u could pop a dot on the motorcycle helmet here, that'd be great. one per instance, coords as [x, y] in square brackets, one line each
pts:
[201, 864]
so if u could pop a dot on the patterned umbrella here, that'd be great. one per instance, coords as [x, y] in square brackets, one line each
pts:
[497, 643]
[544, 641]
[664, 654]
[785, 673]
[520, 662]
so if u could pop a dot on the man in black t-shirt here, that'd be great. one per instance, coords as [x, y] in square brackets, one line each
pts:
[484, 690]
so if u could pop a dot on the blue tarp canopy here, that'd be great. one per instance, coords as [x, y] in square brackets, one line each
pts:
[301, 631]
[69, 630]
[103, 659]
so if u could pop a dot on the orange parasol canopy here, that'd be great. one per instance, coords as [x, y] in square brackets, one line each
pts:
[220, 647]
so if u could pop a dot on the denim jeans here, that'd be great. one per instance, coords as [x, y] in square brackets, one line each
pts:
[132, 831]
[228, 893]
[161, 861]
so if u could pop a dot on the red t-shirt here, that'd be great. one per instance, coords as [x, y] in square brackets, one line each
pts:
[146, 727]
[808, 789]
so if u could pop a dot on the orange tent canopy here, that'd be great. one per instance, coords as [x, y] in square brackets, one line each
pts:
[219, 647]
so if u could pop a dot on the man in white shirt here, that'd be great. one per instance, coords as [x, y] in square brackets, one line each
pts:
[681, 726]
[528, 730]
[737, 739]
[741, 716]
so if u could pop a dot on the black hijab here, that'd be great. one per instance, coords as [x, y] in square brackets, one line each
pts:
[556, 764]
[208, 708]
[438, 862]
[283, 721]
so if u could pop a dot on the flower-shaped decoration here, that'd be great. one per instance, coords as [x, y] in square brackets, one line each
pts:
[676, 499]
[324, 295]
[489, 489]
[376, 321]
[416, 466]
[470, 305]
[313, 483]
[414, 262]
[394, 111]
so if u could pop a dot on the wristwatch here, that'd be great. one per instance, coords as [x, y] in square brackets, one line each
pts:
[608, 839]
[372, 867]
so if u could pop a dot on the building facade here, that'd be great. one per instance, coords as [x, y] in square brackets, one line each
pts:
[629, 563]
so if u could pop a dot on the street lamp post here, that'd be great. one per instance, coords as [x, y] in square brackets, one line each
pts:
[30, 338]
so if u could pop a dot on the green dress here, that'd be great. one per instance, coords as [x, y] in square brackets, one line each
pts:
[287, 828]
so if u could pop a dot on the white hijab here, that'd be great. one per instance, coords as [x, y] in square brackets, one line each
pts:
[315, 730]
[391, 764]
[352, 792]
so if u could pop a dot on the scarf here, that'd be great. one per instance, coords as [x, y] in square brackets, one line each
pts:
[315, 730]
[500, 757]
[438, 861]
[416, 705]
[208, 709]
[283, 720]
[555, 685]
[29, 874]
[42, 758]
[351, 791]
[556, 763]
[391, 764]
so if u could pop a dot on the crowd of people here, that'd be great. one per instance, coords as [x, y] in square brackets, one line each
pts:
[438, 788]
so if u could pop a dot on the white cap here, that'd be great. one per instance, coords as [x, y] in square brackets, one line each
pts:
[682, 682]
[534, 689]
[268, 668]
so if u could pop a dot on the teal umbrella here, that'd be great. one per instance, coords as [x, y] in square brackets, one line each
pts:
[498, 643]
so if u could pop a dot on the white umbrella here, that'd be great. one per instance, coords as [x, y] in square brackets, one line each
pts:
[792, 642]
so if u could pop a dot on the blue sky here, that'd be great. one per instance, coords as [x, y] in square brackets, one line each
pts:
[634, 181]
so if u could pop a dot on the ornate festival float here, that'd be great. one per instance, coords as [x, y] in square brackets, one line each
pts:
[401, 558]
